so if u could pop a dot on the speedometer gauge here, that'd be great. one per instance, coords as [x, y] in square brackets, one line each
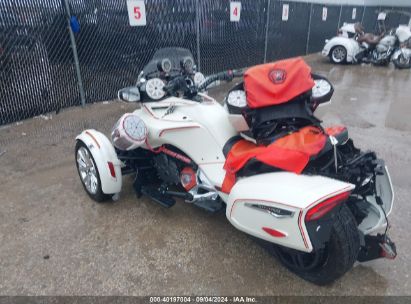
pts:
[321, 88]
[237, 99]
[154, 88]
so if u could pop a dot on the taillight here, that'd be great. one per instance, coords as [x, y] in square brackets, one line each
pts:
[111, 167]
[318, 211]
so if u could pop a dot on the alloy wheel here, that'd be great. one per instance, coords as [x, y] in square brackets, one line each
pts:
[87, 170]
[339, 54]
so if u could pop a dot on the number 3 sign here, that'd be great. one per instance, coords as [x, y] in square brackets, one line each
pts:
[136, 12]
[235, 10]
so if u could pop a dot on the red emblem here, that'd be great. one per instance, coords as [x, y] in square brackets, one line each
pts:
[277, 76]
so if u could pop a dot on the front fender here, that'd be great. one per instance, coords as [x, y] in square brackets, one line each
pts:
[103, 152]
[351, 45]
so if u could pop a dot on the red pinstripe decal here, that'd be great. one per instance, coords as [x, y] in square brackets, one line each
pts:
[178, 128]
[94, 139]
[301, 228]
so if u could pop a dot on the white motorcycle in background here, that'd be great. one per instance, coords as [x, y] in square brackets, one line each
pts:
[343, 48]
[353, 45]
[181, 143]
[402, 56]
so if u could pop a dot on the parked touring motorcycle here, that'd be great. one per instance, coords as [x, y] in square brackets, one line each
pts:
[354, 45]
[315, 200]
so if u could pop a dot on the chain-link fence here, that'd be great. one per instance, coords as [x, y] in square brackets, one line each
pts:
[36, 65]
[37, 57]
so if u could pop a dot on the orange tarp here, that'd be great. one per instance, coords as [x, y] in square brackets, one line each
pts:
[277, 82]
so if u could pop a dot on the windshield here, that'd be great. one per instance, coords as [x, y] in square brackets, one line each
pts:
[174, 54]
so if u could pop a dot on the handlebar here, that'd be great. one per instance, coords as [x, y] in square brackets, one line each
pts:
[179, 83]
[222, 76]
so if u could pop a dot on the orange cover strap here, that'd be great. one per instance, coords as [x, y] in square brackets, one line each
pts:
[290, 153]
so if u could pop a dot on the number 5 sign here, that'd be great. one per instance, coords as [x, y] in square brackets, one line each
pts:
[136, 12]
[235, 10]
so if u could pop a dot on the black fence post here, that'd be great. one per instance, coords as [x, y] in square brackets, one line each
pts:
[75, 55]
[309, 29]
[197, 4]
[266, 30]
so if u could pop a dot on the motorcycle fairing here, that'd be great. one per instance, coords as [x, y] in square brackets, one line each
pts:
[277, 82]
[198, 129]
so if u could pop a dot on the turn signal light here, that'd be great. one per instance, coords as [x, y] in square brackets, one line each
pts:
[318, 211]
[111, 167]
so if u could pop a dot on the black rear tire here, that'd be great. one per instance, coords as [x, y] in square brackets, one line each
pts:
[332, 262]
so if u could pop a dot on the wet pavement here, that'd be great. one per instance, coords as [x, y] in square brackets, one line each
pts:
[55, 241]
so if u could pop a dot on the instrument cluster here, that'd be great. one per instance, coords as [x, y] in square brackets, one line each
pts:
[166, 71]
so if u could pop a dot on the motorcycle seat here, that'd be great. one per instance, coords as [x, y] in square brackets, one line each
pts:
[370, 38]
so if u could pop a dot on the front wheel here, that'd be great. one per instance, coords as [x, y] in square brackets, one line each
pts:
[88, 172]
[324, 266]
[402, 62]
[338, 54]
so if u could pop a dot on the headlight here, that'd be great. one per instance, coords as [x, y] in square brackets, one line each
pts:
[129, 132]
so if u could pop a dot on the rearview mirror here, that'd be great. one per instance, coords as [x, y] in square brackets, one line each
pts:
[322, 90]
[129, 94]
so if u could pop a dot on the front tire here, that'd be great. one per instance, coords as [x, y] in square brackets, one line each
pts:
[326, 265]
[88, 173]
[338, 54]
[402, 62]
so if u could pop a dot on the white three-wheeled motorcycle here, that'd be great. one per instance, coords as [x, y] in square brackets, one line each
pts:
[316, 201]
